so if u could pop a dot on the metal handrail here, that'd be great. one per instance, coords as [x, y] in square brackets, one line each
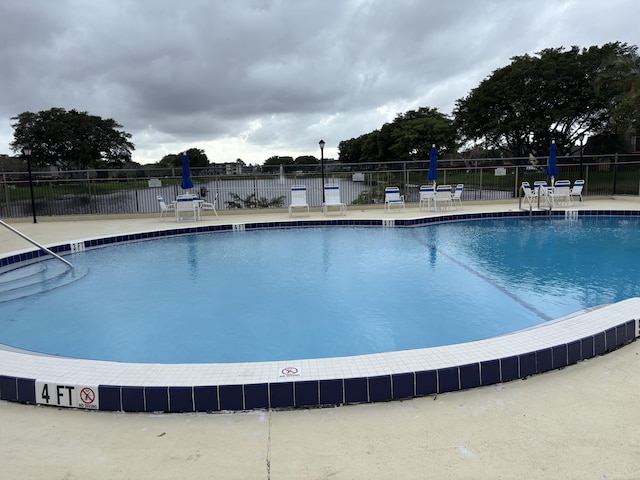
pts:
[41, 247]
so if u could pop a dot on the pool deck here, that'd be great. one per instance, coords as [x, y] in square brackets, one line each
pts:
[560, 424]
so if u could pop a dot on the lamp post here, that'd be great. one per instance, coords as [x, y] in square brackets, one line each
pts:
[581, 139]
[27, 153]
[321, 143]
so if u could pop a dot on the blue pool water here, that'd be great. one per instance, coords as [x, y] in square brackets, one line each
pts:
[324, 292]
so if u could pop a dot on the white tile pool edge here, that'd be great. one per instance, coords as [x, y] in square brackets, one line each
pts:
[62, 370]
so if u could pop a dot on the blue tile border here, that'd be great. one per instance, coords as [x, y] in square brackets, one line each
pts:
[302, 393]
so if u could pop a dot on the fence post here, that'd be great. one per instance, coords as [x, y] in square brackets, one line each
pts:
[615, 172]
[405, 175]
[7, 197]
[89, 190]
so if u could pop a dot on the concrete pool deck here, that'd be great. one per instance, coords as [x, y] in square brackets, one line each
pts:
[573, 423]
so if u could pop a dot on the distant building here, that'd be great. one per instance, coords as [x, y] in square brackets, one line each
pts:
[230, 168]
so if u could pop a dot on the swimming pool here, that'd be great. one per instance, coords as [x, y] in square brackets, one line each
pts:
[286, 294]
[347, 380]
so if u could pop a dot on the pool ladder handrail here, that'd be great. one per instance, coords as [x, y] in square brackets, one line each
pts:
[41, 247]
[520, 196]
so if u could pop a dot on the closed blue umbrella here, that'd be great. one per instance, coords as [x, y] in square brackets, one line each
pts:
[552, 167]
[433, 164]
[187, 183]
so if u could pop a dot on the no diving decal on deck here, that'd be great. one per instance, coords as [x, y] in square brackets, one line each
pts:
[69, 396]
[288, 372]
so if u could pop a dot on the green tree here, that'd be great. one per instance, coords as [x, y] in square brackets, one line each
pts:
[413, 133]
[71, 139]
[621, 75]
[306, 160]
[408, 137]
[520, 108]
[272, 164]
[350, 151]
[197, 159]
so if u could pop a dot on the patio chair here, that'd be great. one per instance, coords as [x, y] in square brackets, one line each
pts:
[457, 195]
[443, 197]
[392, 197]
[210, 206]
[187, 208]
[576, 190]
[530, 195]
[332, 199]
[560, 193]
[164, 208]
[298, 198]
[427, 196]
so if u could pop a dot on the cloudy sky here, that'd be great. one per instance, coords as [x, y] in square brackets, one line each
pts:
[251, 79]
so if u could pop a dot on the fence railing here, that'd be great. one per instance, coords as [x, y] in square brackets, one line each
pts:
[135, 191]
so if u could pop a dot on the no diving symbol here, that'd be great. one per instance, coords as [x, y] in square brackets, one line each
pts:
[87, 396]
[289, 371]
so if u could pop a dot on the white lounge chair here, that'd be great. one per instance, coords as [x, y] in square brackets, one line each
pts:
[427, 196]
[530, 195]
[443, 197]
[332, 199]
[164, 208]
[576, 190]
[392, 197]
[298, 198]
[560, 193]
[457, 195]
[210, 206]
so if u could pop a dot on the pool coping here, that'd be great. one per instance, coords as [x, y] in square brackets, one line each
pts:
[138, 387]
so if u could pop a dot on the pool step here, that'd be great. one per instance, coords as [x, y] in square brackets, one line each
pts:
[36, 278]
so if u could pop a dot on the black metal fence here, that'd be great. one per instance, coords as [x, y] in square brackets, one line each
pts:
[135, 191]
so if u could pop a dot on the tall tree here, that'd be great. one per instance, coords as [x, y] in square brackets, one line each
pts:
[197, 159]
[272, 164]
[71, 139]
[408, 137]
[621, 74]
[520, 108]
[413, 133]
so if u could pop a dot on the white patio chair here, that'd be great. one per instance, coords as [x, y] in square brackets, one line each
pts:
[443, 197]
[298, 198]
[187, 208]
[332, 199]
[457, 195]
[164, 208]
[560, 193]
[210, 206]
[530, 195]
[427, 196]
[392, 197]
[576, 190]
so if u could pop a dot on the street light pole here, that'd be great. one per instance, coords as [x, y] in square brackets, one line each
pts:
[321, 143]
[581, 138]
[27, 153]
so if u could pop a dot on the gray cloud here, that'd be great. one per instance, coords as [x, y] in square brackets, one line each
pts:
[254, 78]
